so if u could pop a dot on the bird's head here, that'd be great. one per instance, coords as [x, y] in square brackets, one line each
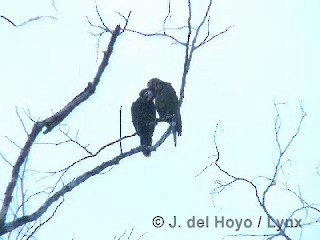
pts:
[146, 95]
[153, 82]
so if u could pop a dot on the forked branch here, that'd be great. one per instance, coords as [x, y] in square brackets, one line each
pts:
[50, 123]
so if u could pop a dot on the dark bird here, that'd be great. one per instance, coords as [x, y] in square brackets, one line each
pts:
[143, 113]
[167, 105]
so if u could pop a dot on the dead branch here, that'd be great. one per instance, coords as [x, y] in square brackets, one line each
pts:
[167, 17]
[126, 20]
[7, 227]
[120, 130]
[57, 118]
[8, 20]
[71, 185]
[46, 221]
[50, 123]
[156, 34]
[277, 126]
[261, 198]
[6, 160]
[28, 21]
[76, 141]
[217, 152]
[129, 236]
[21, 121]
[209, 39]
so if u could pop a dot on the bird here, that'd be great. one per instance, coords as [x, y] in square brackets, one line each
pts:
[167, 105]
[143, 113]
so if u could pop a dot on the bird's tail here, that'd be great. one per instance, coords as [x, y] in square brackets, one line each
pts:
[179, 124]
[174, 132]
[146, 141]
[176, 127]
[146, 152]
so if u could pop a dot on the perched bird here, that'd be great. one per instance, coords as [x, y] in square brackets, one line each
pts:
[167, 105]
[143, 113]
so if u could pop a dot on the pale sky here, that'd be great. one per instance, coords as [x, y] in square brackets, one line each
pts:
[271, 54]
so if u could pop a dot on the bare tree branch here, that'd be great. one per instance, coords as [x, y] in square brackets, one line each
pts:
[8, 20]
[129, 236]
[261, 198]
[101, 20]
[126, 20]
[167, 17]
[21, 121]
[277, 126]
[217, 151]
[56, 119]
[26, 22]
[76, 141]
[6, 160]
[120, 128]
[206, 40]
[50, 123]
[46, 221]
[74, 183]
[156, 34]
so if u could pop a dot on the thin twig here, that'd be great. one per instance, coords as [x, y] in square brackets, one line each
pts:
[101, 20]
[130, 233]
[217, 152]
[21, 121]
[120, 130]
[50, 123]
[28, 21]
[167, 17]
[13, 142]
[6, 160]
[157, 34]
[142, 235]
[206, 40]
[47, 220]
[8, 20]
[126, 20]
[261, 198]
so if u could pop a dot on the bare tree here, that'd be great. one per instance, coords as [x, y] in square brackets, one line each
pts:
[27, 223]
[310, 211]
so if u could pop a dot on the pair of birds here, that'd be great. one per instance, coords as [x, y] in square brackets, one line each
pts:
[143, 111]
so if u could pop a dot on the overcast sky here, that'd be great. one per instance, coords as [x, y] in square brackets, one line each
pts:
[270, 55]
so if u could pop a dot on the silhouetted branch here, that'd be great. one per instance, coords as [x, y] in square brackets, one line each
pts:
[53, 121]
[167, 17]
[208, 39]
[217, 151]
[8, 20]
[50, 123]
[56, 119]
[126, 20]
[46, 221]
[277, 126]
[74, 183]
[120, 129]
[101, 20]
[6, 160]
[156, 34]
[261, 198]
[26, 22]
[129, 236]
